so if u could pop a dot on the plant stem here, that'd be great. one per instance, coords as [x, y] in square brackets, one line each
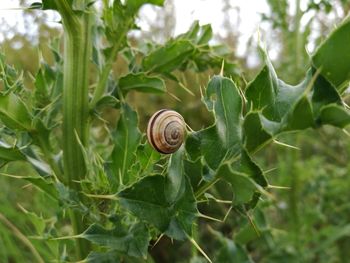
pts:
[102, 82]
[77, 52]
[101, 86]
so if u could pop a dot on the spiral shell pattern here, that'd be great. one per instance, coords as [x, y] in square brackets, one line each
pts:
[166, 131]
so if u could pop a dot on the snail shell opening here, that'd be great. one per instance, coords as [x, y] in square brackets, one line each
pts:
[166, 131]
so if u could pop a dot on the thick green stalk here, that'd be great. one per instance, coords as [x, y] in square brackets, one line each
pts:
[77, 52]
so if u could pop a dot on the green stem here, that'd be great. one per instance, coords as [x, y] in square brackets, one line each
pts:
[102, 83]
[77, 53]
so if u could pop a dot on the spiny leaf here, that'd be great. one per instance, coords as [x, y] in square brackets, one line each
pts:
[146, 199]
[335, 115]
[222, 140]
[169, 57]
[39, 182]
[133, 241]
[13, 112]
[242, 186]
[126, 138]
[134, 5]
[175, 180]
[9, 154]
[333, 56]
[142, 83]
[229, 251]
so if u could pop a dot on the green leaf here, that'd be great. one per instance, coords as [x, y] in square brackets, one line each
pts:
[134, 5]
[13, 113]
[222, 140]
[107, 257]
[126, 139]
[39, 182]
[271, 95]
[229, 252]
[243, 187]
[9, 154]
[43, 81]
[222, 96]
[277, 107]
[108, 101]
[333, 56]
[146, 158]
[255, 135]
[133, 241]
[142, 83]
[175, 180]
[205, 34]
[147, 200]
[248, 232]
[247, 166]
[323, 93]
[169, 57]
[300, 117]
[184, 212]
[198, 35]
[44, 185]
[335, 115]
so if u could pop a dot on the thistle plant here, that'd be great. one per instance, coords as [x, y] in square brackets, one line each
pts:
[118, 194]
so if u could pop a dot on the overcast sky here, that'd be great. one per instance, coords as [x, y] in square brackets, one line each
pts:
[206, 11]
[187, 11]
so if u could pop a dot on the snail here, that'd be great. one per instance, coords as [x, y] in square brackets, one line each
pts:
[166, 131]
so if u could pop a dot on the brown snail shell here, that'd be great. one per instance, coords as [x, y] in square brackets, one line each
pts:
[166, 131]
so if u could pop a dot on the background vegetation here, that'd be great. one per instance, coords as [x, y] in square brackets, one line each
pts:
[306, 221]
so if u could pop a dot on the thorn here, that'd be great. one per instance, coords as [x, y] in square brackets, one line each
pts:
[26, 186]
[346, 105]
[188, 126]
[186, 89]
[67, 237]
[313, 80]
[22, 208]
[200, 181]
[259, 35]
[222, 68]
[270, 170]
[228, 212]
[253, 224]
[173, 96]
[346, 132]
[201, 91]
[278, 187]
[209, 196]
[286, 145]
[198, 247]
[210, 218]
[157, 241]
[109, 197]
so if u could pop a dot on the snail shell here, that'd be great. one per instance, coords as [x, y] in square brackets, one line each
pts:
[166, 131]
